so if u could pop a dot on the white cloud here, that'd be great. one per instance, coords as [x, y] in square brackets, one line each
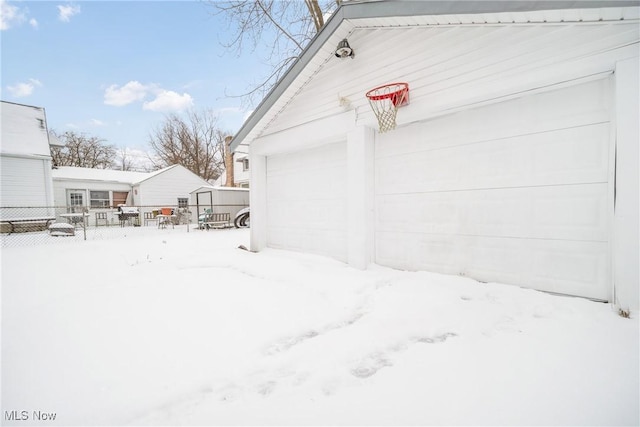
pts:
[130, 92]
[22, 89]
[10, 15]
[96, 122]
[33, 23]
[167, 100]
[65, 12]
[134, 91]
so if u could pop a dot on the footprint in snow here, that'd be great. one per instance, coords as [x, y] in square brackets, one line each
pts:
[371, 365]
[435, 339]
[376, 361]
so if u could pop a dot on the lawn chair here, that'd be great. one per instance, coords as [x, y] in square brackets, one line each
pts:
[202, 218]
[165, 218]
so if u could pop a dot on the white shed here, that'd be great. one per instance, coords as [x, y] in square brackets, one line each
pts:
[25, 162]
[220, 199]
[516, 160]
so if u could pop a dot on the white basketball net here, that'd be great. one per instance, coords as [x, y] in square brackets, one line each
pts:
[385, 101]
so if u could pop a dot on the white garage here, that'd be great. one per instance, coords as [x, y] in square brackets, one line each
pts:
[516, 160]
[520, 194]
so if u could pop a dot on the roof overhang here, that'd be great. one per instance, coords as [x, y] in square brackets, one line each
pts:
[395, 13]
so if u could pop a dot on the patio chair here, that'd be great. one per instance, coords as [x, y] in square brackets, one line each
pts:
[166, 218]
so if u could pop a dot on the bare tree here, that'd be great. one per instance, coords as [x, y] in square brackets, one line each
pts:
[283, 28]
[84, 151]
[193, 141]
[123, 160]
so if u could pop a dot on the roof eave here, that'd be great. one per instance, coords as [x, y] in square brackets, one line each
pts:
[400, 8]
[290, 75]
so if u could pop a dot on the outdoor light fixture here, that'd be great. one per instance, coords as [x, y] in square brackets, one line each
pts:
[344, 49]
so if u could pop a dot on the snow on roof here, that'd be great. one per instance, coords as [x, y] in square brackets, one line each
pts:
[89, 174]
[24, 130]
[107, 175]
[158, 172]
[54, 140]
[212, 187]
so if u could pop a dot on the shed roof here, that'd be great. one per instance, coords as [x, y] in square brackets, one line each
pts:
[217, 188]
[393, 14]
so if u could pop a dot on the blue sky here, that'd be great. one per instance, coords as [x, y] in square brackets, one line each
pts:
[114, 69]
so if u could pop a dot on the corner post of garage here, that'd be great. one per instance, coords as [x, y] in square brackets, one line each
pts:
[627, 200]
[258, 200]
[360, 196]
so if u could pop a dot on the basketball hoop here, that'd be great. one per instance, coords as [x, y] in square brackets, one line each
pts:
[385, 101]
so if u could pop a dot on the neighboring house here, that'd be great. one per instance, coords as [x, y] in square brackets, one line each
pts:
[241, 173]
[102, 190]
[516, 160]
[25, 163]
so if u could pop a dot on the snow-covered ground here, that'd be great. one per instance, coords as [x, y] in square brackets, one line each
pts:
[168, 327]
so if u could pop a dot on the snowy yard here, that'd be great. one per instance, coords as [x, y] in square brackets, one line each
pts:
[168, 327]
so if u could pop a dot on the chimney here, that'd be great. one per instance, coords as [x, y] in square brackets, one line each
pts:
[228, 162]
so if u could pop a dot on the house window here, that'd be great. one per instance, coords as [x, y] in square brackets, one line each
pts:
[99, 199]
[183, 202]
[120, 198]
[76, 198]
[245, 164]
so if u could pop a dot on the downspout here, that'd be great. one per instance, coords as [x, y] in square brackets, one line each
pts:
[132, 201]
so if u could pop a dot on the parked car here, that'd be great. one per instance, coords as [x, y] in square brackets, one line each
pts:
[242, 218]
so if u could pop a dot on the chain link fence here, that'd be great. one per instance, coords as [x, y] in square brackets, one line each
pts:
[28, 226]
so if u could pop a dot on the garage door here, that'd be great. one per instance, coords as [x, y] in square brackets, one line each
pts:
[517, 192]
[306, 201]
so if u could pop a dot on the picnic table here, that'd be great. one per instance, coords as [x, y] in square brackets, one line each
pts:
[13, 222]
[76, 218]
